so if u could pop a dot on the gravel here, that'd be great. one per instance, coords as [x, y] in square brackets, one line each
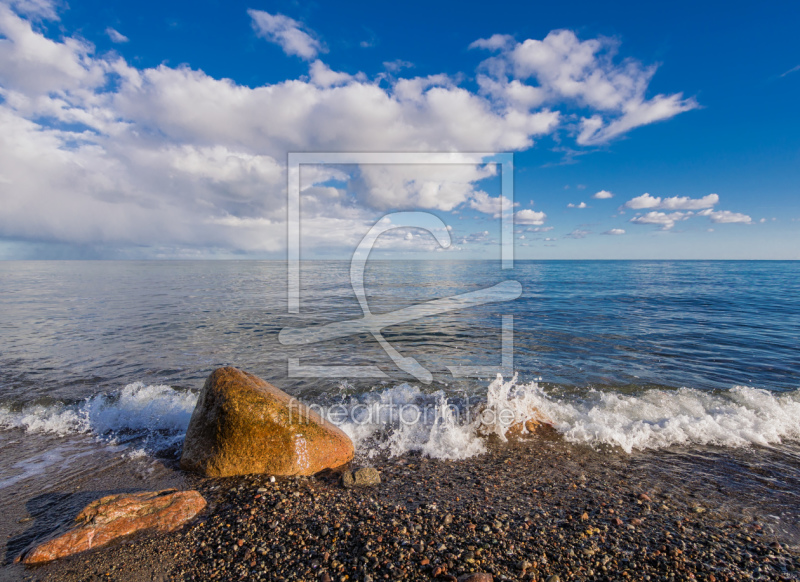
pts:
[537, 510]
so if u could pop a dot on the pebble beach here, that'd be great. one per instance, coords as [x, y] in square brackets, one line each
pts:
[535, 509]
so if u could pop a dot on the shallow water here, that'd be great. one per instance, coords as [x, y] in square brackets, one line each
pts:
[101, 361]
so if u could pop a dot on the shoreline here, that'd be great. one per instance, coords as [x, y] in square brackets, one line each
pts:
[527, 510]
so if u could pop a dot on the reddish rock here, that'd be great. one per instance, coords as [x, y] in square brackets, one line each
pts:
[493, 422]
[115, 516]
[476, 577]
[243, 425]
[538, 425]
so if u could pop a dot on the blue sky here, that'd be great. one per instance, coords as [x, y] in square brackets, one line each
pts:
[160, 130]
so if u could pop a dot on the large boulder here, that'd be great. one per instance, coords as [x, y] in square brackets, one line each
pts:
[115, 516]
[244, 425]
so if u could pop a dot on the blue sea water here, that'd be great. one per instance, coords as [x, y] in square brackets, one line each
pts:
[103, 360]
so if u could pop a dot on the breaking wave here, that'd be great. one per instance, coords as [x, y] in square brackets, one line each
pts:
[155, 414]
[403, 418]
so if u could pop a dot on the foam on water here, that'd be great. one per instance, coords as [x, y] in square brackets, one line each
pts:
[403, 418]
[157, 413]
[652, 419]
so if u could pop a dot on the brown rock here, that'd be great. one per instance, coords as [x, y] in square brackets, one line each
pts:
[364, 477]
[532, 426]
[244, 425]
[493, 422]
[476, 577]
[115, 516]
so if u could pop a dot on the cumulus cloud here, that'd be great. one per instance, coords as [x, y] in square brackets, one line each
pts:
[615, 231]
[530, 217]
[602, 195]
[561, 67]
[486, 204]
[94, 150]
[663, 219]
[674, 203]
[726, 216]
[290, 35]
[116, 36]
[581, 205]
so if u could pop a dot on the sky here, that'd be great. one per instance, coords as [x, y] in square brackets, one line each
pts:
[161, 130]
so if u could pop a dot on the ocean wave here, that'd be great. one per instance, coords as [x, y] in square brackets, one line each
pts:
[156, 413]
[403, 418]
[653, 419]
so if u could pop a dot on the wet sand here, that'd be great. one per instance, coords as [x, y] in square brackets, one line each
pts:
[529, 510]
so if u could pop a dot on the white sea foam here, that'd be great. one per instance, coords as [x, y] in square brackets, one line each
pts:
[652, 419]
[402, 418]
[138, 409]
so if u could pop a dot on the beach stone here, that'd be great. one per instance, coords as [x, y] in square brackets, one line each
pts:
[243, 425]
[364, 477]
[491, 422]
[476, 577]
[115, 516]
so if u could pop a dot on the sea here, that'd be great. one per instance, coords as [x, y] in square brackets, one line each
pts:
[693, 365]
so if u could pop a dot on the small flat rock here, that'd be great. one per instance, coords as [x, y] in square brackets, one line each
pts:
[115, 516]
[476, 577]
[364, 477]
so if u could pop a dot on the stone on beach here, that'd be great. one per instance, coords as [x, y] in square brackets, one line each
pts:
[506, 424]
[243, 425]
[115, 516]
[364, 477]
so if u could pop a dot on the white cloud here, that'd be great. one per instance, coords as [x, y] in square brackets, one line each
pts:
[792, 70]
[323, 76]
[562, 67]
[725, 216]
[578, 234]
[116, 36]
[397, 65]
[666, 221]
[287, 33]
[484, 203]
[674, 203]
[581, 205]
[44, 9]
[431, 186]
[615, 231]
[603, 195]
[172, 158]
[494, 42]
[531, 217]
